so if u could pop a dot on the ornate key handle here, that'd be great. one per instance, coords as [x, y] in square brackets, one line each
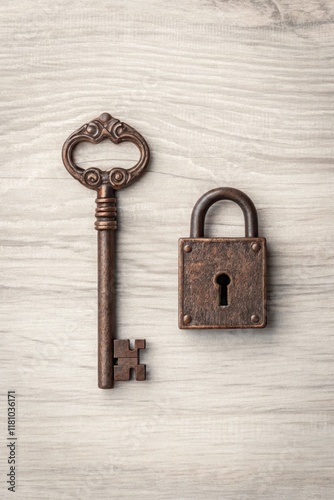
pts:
[99, 129]
[106, 182]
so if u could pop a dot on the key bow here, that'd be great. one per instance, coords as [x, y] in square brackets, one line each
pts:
[97, 130]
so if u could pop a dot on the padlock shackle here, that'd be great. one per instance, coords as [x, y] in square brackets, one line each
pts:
[208, 199]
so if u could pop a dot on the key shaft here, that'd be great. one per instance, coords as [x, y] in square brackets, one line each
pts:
[106, 225]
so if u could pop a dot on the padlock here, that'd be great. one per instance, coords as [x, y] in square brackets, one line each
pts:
[222, 281]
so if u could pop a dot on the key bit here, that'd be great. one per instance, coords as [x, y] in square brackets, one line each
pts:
[128, 359]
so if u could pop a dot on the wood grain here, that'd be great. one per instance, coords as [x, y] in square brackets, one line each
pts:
[227, 94]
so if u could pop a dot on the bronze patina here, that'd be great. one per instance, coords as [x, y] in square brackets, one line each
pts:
[106, 183]
[222, 281]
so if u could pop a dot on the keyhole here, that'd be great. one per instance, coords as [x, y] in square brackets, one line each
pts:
[223, 281]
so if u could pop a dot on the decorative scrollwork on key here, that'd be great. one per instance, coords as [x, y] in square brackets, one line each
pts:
[97, 130]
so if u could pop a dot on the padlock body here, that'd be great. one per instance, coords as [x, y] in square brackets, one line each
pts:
[201, 262]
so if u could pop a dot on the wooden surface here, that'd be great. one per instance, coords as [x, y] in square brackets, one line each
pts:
[227, 94]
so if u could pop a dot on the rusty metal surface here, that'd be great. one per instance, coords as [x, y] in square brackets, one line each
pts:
[97, 130]
[106, 242]
[199, 291]
[208, 199]
[106, 183]
[128, 359]
[203, 260]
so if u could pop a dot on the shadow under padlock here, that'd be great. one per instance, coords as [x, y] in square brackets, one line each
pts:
[222, 281]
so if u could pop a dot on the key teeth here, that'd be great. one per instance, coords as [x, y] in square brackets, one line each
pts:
[128, 359]
[140, 344]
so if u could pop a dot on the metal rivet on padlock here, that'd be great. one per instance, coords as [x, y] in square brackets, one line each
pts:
[222, 281]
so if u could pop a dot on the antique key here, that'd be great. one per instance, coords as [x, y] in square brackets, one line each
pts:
[115, 358]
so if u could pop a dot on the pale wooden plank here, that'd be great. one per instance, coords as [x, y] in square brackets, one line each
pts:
[225, 94]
